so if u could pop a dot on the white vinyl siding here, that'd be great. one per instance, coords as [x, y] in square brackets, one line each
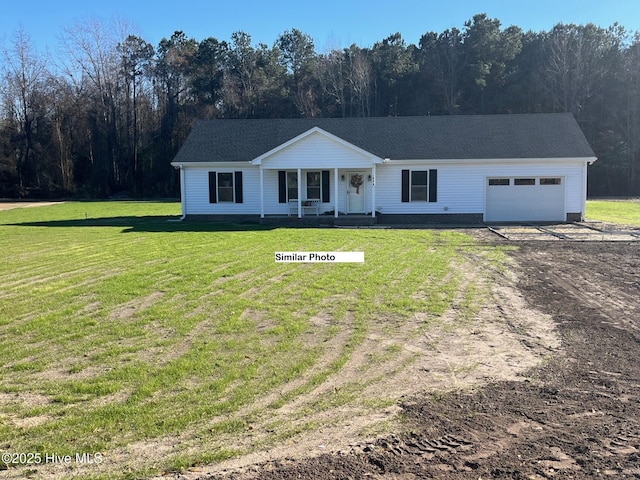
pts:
[317, 152]
[197, 191]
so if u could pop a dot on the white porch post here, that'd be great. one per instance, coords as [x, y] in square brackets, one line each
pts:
[261, 192]
[183, 193]
[335, 192]
[584, 192]
[373, 190]
[299, 193]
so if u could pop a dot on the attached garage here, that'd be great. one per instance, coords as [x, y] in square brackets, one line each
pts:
[525, 199]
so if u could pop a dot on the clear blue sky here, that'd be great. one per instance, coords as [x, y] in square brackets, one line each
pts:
[331, 23]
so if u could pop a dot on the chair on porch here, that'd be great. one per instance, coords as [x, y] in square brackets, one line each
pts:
[293, 207]
[307, 205]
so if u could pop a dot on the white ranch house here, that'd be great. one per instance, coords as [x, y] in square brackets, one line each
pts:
[493, 168]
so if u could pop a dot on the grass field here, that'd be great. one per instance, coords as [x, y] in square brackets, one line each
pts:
[164, 345]
[614, 211]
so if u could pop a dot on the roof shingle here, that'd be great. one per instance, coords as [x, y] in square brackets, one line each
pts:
[397, 138]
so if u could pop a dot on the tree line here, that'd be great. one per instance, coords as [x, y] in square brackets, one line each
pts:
[108, 112]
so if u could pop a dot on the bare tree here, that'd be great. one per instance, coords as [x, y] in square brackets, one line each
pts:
[23, 90]
[359, 78]
[94, 65]
[577, 63]
[331, 77]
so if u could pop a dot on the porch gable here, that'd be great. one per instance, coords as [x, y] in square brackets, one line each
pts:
[316, 148]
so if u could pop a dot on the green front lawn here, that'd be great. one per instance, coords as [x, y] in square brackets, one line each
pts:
[126, 334]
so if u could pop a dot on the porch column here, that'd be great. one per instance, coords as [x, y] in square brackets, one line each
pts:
[261, 192]
[373, 190]
[584, 192]
[183, 192]
[335, 192]
[299, 193]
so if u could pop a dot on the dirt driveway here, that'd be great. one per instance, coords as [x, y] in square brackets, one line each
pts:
[576, 416]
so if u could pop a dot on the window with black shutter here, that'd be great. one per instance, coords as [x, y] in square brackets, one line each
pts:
[282, 186]
[326, 198]
[237, 176]
[433, 185]
[225, 187]
[405, 185]
[419, 185]
[313, 185]
[213, 187]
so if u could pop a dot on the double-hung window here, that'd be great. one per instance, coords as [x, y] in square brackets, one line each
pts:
[313, 185]
[225, 187]
[420, 185]
[292, 185]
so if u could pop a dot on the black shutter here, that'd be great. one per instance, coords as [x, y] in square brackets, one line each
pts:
[325, 186]
[238, 186]
[433, 185]
[213, 188]
[282, 186]
[405, 185]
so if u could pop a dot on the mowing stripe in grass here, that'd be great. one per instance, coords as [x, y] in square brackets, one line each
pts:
[127, 328]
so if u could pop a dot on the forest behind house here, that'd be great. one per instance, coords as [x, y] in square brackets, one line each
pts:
[104, 114]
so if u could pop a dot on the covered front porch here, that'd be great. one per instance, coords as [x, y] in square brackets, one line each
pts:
[317, 172]
[318, 192]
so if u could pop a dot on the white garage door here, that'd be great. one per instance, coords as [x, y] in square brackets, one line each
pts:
[525, 199]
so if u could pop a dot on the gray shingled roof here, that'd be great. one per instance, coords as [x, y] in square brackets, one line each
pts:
[397, 138]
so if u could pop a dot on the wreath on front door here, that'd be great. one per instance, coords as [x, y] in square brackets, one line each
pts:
[356, 182]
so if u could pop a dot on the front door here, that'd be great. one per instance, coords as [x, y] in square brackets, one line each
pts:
[355, 192]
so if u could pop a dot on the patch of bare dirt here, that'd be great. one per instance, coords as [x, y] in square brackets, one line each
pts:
[10, 205]
[576, 415]
[25, 400]
[130, 308]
